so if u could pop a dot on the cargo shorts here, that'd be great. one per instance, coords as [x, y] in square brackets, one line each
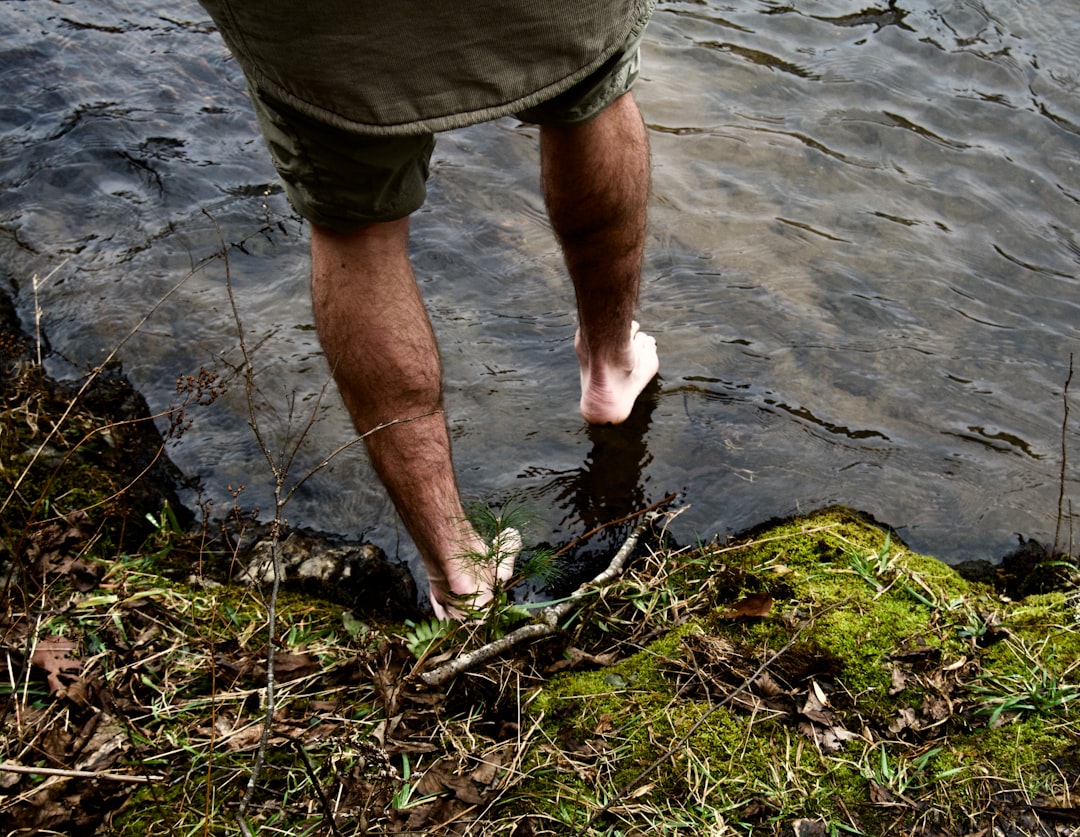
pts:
[343, 180]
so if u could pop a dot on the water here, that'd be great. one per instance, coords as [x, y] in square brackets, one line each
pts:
[862, 268]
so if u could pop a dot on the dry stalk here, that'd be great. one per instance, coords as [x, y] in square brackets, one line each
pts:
[280, 467]
[8, 767]
[1064, 461]
[37, 306]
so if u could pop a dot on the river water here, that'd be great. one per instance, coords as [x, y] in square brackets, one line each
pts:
[862, 268]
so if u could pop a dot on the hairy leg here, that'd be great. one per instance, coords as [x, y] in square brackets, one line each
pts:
[596, 184]
[378, 341]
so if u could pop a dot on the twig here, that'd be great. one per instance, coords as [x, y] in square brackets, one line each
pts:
[681, 743]
[56, 425]
[610, 523]
[1064, 459]
[275, 536]
[549, 617]
[314, 779]
[280, 467]
[37, 306]
[7, 767]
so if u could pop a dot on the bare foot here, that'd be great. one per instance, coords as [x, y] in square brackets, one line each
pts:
[468, 583]
[608, 392]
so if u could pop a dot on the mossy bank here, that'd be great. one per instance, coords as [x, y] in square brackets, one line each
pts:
[811, 677]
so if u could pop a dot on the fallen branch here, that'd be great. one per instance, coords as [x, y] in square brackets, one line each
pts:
[7, 767]
[549, 617]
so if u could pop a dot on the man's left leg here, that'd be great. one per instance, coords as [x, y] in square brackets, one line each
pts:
[379, 343]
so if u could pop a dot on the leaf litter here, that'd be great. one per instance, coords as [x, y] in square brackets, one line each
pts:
[810, 678]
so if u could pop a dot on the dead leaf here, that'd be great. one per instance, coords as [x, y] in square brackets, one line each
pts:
[524, 828]
[492, 765]
[292, 666]
[899, 681]
[905, 719]
[935, 708]
[879, 795]
[576, 658]
[754, 606]
[436, 780]
[54, 655]
[808, 828]
[767, 686]
[815, 705]
[107, 744]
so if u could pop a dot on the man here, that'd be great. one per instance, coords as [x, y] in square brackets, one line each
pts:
[348, 94]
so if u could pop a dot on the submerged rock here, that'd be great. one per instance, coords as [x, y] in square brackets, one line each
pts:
[332, 568]
[90, 447]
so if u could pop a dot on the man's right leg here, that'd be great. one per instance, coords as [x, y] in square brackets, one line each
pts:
[596, 184]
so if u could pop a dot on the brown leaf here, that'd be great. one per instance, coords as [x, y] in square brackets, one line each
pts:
[899, 682]
[576, 658]
[54, 655]
[524, 828]
[492, 765]
[808, 828]
[754, 606]
[935, 708]
[767, 686]
[603, 725]
[291, 666]
[436, 779]
[905, 719]
[815, 706]
[879, 795]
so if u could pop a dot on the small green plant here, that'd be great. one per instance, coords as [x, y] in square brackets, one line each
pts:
[1036, 692]
[405, 797]
[501, 528]
[425, 636]
[1032, 690]
[901, 775]
[872, 567]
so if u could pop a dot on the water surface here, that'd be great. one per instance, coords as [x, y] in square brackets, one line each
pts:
[862, 268]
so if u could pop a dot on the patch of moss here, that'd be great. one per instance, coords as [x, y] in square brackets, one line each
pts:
[866, 608]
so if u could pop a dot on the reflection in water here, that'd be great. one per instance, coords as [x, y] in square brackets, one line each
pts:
[609, 486]
[862, 267]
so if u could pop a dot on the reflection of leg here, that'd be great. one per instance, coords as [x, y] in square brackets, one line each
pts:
[596, 183]
[378, 340]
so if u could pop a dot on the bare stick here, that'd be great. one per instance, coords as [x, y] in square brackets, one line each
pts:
[37, 306]
[328, 812]
[611, 523]
[1064, 456]
[7, 767]
[549, 617]
[280, 467]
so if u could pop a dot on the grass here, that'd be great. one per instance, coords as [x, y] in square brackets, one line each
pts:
[865, 690]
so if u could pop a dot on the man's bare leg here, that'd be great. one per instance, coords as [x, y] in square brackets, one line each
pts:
[379, 343]
[596, 184]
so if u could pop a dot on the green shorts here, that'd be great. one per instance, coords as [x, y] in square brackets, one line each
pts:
[343, 180]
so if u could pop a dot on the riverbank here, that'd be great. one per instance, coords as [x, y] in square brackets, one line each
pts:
[810, 677]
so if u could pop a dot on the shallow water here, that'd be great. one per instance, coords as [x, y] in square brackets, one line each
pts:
[862, 268]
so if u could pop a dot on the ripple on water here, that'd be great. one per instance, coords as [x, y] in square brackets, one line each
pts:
[861, 272]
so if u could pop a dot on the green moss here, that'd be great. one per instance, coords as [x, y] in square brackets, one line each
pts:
[865, 607]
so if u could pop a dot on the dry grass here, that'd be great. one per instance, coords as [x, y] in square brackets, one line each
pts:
[815, 678]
